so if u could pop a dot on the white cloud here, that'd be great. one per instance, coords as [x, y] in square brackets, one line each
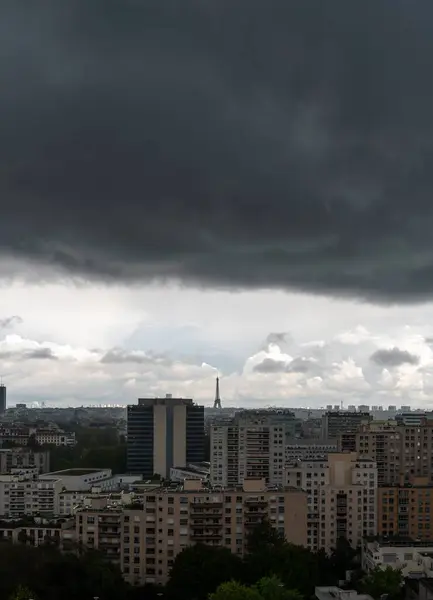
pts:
[175, 341]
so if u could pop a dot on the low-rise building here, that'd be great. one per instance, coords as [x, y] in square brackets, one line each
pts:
[413, 558]
[145, 538]
[21, 434]
[37, 531]
[83, 479]
[336, 593]
[191, 471]
[55, 437]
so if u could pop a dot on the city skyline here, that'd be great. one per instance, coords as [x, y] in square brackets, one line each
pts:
[47, 354]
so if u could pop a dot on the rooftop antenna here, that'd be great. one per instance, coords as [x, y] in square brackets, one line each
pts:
[217, 402]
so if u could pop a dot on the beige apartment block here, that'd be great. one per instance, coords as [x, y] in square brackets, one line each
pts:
[252, 444]
[341, 496]
[398, 449]
[145, 539]
[405, 510]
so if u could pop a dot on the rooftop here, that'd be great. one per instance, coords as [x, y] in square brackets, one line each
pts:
[399, 541]
[75, 472]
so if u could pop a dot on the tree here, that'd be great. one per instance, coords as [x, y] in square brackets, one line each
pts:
[263, 538]
[383, 581]
[198, 571]
[271, 588]
[50, 574]
[343, 558]
[23, 593]
[269, 554]
[267, 588]
[232, 590]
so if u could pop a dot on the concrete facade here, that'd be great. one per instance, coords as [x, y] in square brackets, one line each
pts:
[145, 540]
[342, 497]
[251, 444]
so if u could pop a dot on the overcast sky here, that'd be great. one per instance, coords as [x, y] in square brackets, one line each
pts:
[211, 186]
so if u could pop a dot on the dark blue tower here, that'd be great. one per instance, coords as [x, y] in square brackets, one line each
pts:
[2, 399]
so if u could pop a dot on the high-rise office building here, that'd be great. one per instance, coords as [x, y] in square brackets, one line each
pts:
[164, 433]
[2, 399]
[252, 444]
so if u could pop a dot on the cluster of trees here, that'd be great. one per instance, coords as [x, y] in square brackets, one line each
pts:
[95, 448]
[272, 569]
[43, 573]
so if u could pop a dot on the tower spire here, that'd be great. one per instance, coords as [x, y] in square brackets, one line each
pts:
[217, 403]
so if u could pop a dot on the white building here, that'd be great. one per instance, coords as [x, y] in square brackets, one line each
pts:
[189, 472]
[413, 559]
[83, 479]
[55, 437]
[335, 593]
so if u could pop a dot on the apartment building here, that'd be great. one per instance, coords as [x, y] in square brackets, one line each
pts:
[397, 449]
[24, 493]
[251, 444]
[336, 422]
[163, 433]
[406, 509]
[309, 449]
[144, 539]
[24, 458]
[380, 441]
[341, 496]
[38, 531]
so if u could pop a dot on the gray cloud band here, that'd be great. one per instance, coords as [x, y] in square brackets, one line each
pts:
[221, 144]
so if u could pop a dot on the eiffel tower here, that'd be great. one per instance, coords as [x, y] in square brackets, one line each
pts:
[217, 402]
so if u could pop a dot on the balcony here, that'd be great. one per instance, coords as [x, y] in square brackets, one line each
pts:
[200, 525]
[256, 502]
[253, 522]
[198, 536]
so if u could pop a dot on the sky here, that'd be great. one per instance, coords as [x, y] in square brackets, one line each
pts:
[217, 187]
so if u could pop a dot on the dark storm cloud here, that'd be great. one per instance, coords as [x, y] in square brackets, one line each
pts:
[7, 322]
[221, 142]
[394, 357]
[37, 354]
